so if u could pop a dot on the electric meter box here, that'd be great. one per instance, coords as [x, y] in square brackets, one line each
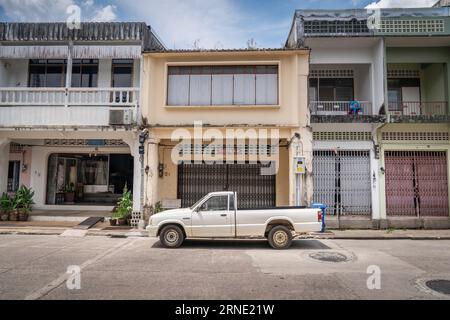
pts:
[299, 165]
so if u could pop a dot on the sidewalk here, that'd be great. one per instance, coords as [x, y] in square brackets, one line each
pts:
[104, 229]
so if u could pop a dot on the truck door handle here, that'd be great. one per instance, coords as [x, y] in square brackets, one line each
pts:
[223, 215]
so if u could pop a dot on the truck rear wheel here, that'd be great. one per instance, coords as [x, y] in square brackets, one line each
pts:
[280, 237]
[171, 236]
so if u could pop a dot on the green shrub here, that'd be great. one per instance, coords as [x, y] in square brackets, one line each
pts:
[124, 205]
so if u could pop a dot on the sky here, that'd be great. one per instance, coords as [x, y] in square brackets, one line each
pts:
[185, 24]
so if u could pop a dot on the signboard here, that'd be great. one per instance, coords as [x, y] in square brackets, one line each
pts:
[299, 165]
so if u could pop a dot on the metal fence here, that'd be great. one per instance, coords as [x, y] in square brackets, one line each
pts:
[416, 183]
[342, 181]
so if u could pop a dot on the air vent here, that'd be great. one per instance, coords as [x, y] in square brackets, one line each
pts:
[345, 73]
[120, 117]
[82, 142]
[412, 26]
[415, 136]
[188, 149]
[342, 136]
[403, 73]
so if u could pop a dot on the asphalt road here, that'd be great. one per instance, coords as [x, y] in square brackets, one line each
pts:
[35, 267]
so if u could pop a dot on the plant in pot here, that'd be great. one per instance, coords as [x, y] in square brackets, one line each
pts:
[123, 209]
[6, 206]
[23, 201]
[69, 193]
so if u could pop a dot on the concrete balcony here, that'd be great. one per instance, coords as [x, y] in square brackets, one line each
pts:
[73, 107]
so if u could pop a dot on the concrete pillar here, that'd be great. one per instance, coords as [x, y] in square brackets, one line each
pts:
[133, 143]
[4, 164]
[151, 174]
[301, 187]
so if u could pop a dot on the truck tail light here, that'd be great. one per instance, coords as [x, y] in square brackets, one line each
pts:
[319, 216]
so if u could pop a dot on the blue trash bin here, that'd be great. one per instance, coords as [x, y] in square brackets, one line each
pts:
[322, 207]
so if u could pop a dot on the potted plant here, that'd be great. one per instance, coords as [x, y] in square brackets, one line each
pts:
[124, 208]
[6, 206]
[69, 193]
[23, 202]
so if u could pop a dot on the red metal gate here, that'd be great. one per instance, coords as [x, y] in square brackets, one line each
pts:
[416, 183]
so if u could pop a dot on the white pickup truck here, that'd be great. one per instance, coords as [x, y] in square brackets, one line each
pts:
[216, 216]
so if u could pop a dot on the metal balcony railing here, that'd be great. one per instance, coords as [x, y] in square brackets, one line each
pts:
[416, 108]
[340, 108]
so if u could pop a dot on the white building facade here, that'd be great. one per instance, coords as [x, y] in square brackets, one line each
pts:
[70, 112]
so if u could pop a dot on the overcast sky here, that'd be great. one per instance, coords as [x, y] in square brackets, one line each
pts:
[180, 23]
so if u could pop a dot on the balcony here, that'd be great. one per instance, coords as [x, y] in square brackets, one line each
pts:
[340, 108]
[416, 108]
[50, 107]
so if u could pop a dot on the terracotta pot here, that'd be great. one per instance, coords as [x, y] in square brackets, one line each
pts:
[14, 216]
[122, 222]
[113, 222]
[69, 197]
[4, 216]
[23, 216]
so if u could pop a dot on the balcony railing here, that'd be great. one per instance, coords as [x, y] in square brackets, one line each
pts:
[332, 108]
[108, 97]
[415, 108]
[78, 107]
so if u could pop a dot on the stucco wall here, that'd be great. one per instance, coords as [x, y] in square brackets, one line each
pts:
[291, 111]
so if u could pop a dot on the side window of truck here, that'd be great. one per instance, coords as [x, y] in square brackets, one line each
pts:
[215, 204]
[231, 205]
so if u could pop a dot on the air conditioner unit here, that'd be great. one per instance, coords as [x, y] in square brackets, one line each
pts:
[120, 117]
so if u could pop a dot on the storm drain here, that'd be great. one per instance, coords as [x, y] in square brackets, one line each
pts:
[329, 257]
[441, 286]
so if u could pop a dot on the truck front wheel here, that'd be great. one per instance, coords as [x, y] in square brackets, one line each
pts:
[171, 236]
[280, 237]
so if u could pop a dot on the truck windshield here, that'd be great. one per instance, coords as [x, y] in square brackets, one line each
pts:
[197, 203]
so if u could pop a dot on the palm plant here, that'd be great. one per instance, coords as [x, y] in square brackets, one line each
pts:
[23, 201]
[124, 206]
[6, 206]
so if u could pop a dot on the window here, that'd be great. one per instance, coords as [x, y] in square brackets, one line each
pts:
[396, 90]
[52, 73]
[47, 73]
[328, 89]
[219, 203]
[222, 85]
[84, 73]
[13, 176]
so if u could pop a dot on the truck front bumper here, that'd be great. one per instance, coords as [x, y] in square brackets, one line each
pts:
[152, 231]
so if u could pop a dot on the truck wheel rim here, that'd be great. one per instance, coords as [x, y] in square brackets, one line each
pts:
[280, 238]
[171, 236]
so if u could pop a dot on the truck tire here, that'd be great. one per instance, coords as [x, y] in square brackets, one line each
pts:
[280, 237]
[171, 236]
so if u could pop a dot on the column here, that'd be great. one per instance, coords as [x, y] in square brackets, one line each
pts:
[4, 164]
[151, 174]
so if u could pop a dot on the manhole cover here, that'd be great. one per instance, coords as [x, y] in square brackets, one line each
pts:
[441, 286]
[329, 256]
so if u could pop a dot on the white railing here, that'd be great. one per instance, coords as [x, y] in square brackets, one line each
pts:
[108, 97]
[416, 108]
[323, 108]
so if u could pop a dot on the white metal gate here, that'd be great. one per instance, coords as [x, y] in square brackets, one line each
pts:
[342, 181]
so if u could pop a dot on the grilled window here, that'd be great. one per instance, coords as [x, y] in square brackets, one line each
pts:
[223, 85]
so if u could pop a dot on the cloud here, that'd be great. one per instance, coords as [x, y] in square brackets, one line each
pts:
[51, 10]
[401, 4]
[181, 23]
[35, 10]
[105, 14]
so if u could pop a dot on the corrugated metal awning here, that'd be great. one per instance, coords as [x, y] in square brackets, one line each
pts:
[62, 52]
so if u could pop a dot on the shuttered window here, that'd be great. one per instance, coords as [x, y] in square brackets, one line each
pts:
[222, 85]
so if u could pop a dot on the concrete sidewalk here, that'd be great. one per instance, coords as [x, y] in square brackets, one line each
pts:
[103, 229]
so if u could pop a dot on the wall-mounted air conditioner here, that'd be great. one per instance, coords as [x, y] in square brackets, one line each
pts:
[120, 117]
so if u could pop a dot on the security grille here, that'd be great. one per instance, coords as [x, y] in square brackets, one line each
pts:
[415, 136]
[342, 136]
[336, 27]
[342, 181]
[412, 26]
[416, 184]
[326, 73]
[255, 190]
[403, 73]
